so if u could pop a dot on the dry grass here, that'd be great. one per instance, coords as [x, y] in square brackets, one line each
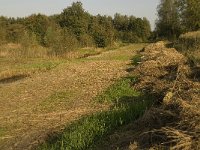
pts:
[189, 41]
[12, 50]
[180, 95]
[17, 61]
[190, 35]
[174, 122]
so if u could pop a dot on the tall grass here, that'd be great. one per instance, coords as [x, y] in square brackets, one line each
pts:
[189, 44]
[82, 134]
[189, 41]
[12, 50]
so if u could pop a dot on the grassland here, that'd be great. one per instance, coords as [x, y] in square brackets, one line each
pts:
[57, 93]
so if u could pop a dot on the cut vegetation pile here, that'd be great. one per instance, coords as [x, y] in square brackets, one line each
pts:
[174, 121]
[167, 73]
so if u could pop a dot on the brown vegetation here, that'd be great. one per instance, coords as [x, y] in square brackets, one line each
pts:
[174, 121]
[190, 41]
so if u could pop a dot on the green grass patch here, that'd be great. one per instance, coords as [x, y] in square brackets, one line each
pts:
[41, 66]
[118, 90]
[84, 133]
[136, 60]
[120, 54]
[2, 131]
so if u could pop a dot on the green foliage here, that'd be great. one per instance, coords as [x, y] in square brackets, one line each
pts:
[28, 40]
[84, 133]
[131, 29]
[75, 18]
[168, 23]
[15, 32]
[190, 14]
[73, 28]
[176, 17]
[102, 30]
[3, 30]
[2, 35]
[38, 24]
[60, 40]
[136, 60]
[86, 40]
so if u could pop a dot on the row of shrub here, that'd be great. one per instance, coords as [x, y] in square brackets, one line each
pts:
[72, 28]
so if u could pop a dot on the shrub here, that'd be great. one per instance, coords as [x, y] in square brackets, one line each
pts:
[2, 35]
[190, 41]
[60, 41]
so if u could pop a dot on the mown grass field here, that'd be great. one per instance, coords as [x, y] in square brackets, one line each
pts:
[58, 91]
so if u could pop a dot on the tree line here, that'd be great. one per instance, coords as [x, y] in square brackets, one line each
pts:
[176, 17]
[73, 27]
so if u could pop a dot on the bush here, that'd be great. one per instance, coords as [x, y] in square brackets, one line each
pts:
[86, 41]
[15, 33]
[190, 41]
[28, 40]
[60, 41]
[2, 35]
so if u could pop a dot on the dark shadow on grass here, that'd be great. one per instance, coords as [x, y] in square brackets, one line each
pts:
[12, 79]
[136, 60]
[195, 75]
[130, 69]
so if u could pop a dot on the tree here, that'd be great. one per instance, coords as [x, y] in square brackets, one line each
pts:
[102, 30]
[28, 40]
[75, 18]
[38, 24]
[168, 23]
[121, 22]
[3, 34]
[15, 32]
[190, 13]
[73, 26]
[142, 29]
[60, 40]
[131, 29]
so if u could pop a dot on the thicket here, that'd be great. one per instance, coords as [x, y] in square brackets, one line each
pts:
[176, 17]
[73, 28]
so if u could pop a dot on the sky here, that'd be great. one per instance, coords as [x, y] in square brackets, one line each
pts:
[138, 8]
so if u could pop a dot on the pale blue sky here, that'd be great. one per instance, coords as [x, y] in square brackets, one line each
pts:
[138, 8]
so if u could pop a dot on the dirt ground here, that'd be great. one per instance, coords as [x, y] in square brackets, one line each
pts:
[34, 106]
